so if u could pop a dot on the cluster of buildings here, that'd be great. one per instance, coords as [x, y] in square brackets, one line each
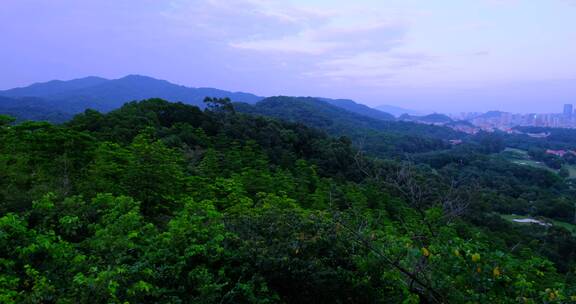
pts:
[560, 153]
[504, 121]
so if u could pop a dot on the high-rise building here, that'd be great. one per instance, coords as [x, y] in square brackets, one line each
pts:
[568, 110]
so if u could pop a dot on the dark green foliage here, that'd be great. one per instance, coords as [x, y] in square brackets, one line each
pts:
[6, 120]
[490, 142]
[31, 108]
[161, 202]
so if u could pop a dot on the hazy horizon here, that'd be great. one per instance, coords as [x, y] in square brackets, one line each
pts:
[417, 111]
[446, 56]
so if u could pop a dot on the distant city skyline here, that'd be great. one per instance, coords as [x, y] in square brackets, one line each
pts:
[506, 121]
[567, 111]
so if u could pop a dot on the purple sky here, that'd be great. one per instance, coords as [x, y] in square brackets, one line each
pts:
[445, 55]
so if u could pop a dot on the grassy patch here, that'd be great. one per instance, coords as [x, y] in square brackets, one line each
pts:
[568, 226]
[532, 163]
[572, 170]
[521, 157]
[516, 153]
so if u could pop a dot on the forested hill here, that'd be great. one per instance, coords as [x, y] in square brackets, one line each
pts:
[160, 202]
[377, 136]
[357, 108]
[33, 108]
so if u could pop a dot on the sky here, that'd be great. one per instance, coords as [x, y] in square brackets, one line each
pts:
[442, 55]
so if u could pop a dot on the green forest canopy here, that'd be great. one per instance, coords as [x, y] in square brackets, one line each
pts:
[160, 202]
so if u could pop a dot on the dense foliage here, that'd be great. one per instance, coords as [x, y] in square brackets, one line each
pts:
[160, 202]
[31, 108]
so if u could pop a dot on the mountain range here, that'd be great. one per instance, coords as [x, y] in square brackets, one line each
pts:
[378, 132]
[70, 97]
[58, 101]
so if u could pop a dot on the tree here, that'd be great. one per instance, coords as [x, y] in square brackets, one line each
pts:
[153, 175]
[220, 105]
[6, 120]
[490, 142]
[564, 172]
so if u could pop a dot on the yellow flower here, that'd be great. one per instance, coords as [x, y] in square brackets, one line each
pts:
[425, 252]
[457, 252]
[475, 257]
[496, 272]
[551, 296]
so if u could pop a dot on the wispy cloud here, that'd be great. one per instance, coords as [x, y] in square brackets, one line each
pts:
[239, 19]
[371, 68]
[332, 41]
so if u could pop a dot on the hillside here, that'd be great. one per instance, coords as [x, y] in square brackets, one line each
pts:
[321, 114]
[311, 111]
[396, 111]
[357, 108]
[378, 137]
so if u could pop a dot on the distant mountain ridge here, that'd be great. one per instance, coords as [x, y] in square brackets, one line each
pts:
[66, 98]
[104, 95]
[53, 87]
[397, 111]
[491, 114]
[319, 113]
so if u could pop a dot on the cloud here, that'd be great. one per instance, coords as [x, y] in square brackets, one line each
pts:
[238, 19]
[372, 68]
[331, 40]
[300, 43]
